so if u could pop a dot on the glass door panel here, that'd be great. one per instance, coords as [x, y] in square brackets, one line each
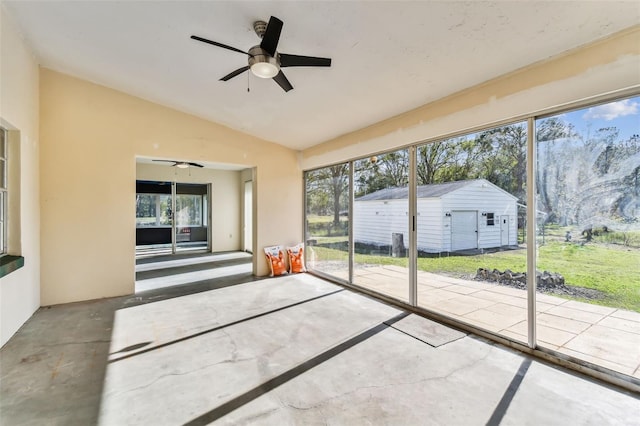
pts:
[588, 234]
[327, 220]
[191, 228]
[470, 229]
[381, 224]
[154, 217]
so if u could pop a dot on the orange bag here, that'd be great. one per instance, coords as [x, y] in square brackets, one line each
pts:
[275, 259]
[296, 258]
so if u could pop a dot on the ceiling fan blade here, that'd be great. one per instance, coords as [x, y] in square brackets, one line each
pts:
[166, 161]
[282, 81]
[195, 164]
[215, 43]
[303, 61]
[234, 73]
[272, 36]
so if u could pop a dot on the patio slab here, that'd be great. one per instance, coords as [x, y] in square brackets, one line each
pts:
[602, 335]
[434, 295]
[621, 324]
[576, 314]
[595, 360]
[549, 335]
[506, 309]
[552, 300]
[522, 338]
[609, 344]
[562, 323]
[596, 309]
[628, 315]
[461, 305]
[462, 289]
[499, 315]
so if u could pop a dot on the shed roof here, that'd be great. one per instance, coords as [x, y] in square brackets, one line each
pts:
[434, 190]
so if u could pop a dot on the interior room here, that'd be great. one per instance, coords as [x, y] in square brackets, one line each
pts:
[463, 178]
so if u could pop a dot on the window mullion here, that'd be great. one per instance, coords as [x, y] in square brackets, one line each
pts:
[531, 234]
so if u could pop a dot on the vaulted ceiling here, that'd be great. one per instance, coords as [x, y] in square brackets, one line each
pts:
[388, 57]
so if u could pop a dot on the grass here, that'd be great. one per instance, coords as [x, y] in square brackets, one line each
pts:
[611, 270]
[614, 271]
[610, 263]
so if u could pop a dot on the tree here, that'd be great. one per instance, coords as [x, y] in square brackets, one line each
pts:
[390, 170]
[339, 186]
[587, 179]
[432, 157]
[506, 162]
[551, 179]
[327, 189]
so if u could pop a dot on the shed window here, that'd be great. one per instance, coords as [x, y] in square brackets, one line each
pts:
[490, 219]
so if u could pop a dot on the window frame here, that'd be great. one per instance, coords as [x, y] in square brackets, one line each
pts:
[157, 209]
[529, 119]
[491, 218]
[4, 190]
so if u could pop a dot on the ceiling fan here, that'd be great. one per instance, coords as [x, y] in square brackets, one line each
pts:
[180, 164]
[264, 60]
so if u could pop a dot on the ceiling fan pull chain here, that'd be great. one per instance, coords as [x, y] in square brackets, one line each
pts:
[248, 83]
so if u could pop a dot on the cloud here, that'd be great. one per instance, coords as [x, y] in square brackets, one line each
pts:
[612, 110]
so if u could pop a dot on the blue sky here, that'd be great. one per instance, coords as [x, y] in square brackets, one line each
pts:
[623, 114]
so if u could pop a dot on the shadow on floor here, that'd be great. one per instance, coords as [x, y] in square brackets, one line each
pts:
[54, 366]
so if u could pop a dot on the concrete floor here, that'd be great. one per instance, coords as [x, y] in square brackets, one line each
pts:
[601, 335]
[288, 350]
[157, 272]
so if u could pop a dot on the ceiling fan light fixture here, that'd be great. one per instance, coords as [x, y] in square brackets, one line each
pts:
[182, 165]
[264, 69]
[262, 64]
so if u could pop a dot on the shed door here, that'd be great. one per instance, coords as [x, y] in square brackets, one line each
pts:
[504, 230]
[464, 230]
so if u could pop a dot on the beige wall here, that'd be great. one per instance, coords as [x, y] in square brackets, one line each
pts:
[90, 137]
[608, 65]
[226, 209]
[20, 290]
[76, 208]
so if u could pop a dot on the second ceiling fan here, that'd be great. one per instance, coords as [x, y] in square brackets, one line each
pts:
[264, 60]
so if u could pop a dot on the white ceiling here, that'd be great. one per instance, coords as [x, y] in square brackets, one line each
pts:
[388, 57]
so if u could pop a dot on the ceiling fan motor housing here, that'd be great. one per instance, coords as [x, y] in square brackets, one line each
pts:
[260, 27]
[262, 64]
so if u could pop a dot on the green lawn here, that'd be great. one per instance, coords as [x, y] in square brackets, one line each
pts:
[610, 263]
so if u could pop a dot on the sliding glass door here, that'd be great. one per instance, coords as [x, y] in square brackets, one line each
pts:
[588, 234]
[381, 224]
[327, 220]
[171, 217]
[154, 217]
[529, 230]
[191, 217]
[471, 250]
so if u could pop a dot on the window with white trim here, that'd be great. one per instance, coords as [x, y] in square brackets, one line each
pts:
[491, 219]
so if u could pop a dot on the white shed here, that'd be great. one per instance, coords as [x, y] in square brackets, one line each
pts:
[452, 216]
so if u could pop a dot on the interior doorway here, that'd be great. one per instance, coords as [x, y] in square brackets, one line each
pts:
[172, 217]
[248, 217]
